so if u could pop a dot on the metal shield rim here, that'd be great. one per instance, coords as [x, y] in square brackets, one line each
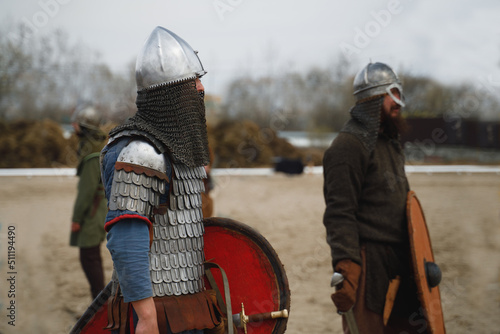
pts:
[271, 255]
[88, 317]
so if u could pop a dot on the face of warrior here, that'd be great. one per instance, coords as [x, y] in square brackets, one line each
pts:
[76, 127]
[199, 86]
[391, 121]
[390, 108]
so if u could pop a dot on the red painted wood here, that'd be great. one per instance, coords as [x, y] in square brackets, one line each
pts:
[250, 274]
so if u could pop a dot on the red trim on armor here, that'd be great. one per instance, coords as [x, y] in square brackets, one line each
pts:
[128, 167]
[108, 225]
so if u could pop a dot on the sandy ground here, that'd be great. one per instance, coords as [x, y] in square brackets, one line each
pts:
[462, 212]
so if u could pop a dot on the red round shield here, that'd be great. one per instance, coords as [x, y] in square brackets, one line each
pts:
[256, 277]
[255, 274]
[95, 317]
[421, 250]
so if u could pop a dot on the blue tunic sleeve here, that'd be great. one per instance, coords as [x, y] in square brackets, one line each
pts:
[128, 243]
[128, 236]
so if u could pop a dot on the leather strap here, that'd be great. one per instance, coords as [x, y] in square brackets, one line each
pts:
[114, 310]
[225, 307]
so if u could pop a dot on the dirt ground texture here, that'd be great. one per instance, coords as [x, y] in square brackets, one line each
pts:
[462, 214]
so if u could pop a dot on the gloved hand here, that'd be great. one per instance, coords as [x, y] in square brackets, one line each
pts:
[75, 227]
[345, 296]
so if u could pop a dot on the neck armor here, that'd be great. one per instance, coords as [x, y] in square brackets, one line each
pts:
[365, 121]
[174, 115]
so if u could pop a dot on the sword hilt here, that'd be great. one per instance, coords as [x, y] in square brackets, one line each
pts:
[241, 319]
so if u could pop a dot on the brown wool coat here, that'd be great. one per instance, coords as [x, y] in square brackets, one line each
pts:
[365, 194]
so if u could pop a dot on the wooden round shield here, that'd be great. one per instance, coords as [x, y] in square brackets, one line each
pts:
[421, 250]
[255, 274]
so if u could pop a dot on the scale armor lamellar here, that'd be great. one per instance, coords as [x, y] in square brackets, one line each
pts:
[176, 255]
[139, 179]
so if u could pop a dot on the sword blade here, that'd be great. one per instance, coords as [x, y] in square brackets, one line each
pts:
[351, 322]
[337, 278]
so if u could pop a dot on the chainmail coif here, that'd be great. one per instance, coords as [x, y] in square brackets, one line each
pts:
[175, 116]
[365, 121]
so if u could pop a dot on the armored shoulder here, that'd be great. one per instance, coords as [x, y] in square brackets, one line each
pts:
[144, 157]
[139, 179]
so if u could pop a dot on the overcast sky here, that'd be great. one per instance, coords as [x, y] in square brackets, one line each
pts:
[451, 41]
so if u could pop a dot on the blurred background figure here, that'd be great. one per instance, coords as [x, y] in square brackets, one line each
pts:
[89, 212]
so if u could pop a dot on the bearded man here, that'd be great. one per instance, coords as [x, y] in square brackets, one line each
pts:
[365, 190]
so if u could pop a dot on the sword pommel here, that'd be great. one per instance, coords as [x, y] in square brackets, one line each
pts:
[241, 319]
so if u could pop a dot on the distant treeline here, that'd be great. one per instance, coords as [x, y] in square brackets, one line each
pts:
[45, 76]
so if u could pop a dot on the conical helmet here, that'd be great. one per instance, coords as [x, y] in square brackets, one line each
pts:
[87, 117]
[165, 59]
[377, 79]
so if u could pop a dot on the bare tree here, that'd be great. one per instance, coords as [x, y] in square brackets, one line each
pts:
[45, 76]
[317, 100]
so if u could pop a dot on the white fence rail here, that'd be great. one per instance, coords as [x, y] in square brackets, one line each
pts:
[434, 169]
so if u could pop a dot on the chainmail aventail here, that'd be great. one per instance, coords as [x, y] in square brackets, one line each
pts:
[365, 121]
[175, 116]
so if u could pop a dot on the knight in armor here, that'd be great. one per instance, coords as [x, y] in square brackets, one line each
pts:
[153, 172]
[90, 206]
[365, 191]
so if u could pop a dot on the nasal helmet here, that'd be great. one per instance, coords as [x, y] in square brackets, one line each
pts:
[377, 79]
[166, 59]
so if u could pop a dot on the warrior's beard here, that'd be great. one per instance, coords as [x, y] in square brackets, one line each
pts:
[393, 126]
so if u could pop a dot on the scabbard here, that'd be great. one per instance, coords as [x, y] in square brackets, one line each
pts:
[390, 297]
